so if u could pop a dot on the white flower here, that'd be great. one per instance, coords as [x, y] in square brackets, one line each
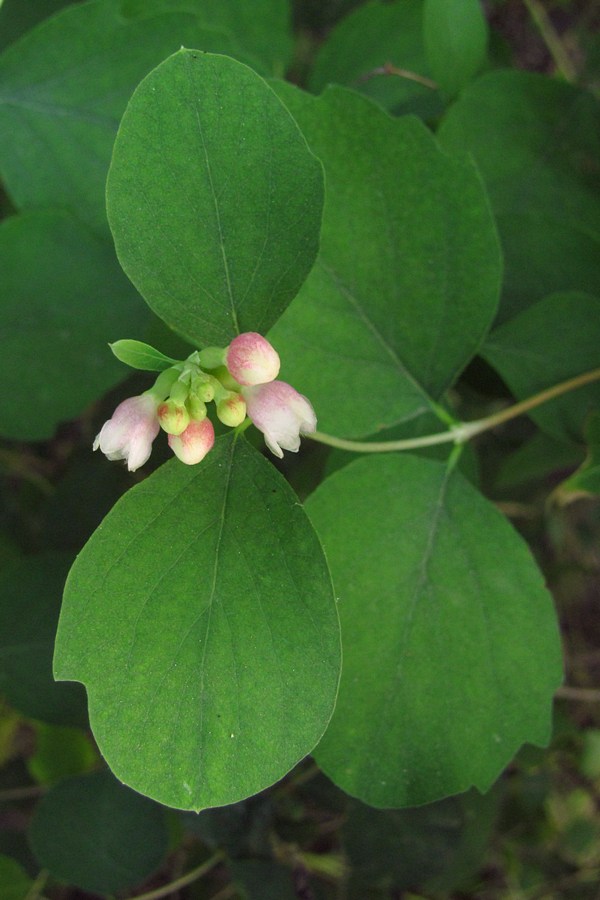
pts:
[251, 359]
[281, 413]
[129, 433]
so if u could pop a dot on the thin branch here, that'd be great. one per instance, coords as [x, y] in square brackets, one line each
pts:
[186, 879]
[390, 69]
[552, 40]
[462, 431]
[587, 695]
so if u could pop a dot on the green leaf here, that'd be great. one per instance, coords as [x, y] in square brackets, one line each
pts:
[556, 339]
[451, 646]
[95, 833]
[62, 298]
[262, 29]
[31, 591]
[213, 198]
[536, 142]
[17, 17]
[586, 480]
[15, 882]
[201, 619]
[434, 847]
[59, 753]
[63, 89]
[455, 35]
[372, 36]
[141, 356]
[408, 275]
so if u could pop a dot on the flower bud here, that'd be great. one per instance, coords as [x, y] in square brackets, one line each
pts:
[232, 410]
[251, 359]
[173, 417]
[192, 445]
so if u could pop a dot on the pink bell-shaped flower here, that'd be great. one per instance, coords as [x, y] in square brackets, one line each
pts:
[129, 433]
[251, 359]
[281, 413]
[192, 445]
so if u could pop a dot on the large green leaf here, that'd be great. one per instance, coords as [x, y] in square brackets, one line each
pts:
[362, 44]
[201, 619]
[455, 34]
[214, 198]
[14, 880]
[536, 141]
[63, 297]
[17, 17]
[556, 339]
[407, 280]
[93, 832]
[451, 647]
[262, 28]
[63, 89]
[31, 590]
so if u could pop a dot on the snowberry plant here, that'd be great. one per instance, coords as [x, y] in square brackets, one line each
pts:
[306, 283]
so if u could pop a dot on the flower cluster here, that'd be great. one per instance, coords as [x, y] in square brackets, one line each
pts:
[241, 381]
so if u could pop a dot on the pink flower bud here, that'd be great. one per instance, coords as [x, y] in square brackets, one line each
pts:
[192, 445]
[129, 433]
[251, 359]
[281, 413]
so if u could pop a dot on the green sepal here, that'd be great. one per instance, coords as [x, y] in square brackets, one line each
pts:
[585, 481]
[138, 355]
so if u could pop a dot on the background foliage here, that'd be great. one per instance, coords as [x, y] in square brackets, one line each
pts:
[414, 214]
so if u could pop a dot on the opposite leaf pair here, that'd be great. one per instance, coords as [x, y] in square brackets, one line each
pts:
[240, 379]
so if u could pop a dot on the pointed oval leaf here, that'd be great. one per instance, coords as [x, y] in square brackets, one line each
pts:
[551, 341]
[536, 142]
[31, 589]
[63, 88]
[456, 35]
[139, 355]
[63, 296]
[213, 198]
[93, 832]
[408, 275]
[451, 646]
[201, 619]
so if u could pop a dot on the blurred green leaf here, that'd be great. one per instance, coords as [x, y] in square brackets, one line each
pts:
[204, 604]
[62, 298]
[263, 880]
[586, 480]
[455, 38]
[217, 240]
[17, 17]
[261, 29]
[31, 590]
[59, 753]
[365, 42]
[15, 883]
[63, 89]
[450, 642]
[433, 847]
[536, 141]
[95, 833]
[556, 339]
[408, 274]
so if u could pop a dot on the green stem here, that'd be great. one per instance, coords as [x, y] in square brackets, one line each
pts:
[462, 431]
[35, 891]
[186, 879]
[552, 40]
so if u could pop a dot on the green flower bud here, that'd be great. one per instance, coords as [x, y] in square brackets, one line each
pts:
[173, 417]
[180, 391]
[203, 388]
[232, 411]
[226, 378]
